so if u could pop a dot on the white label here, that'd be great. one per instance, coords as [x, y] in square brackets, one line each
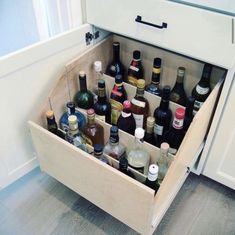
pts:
[178, 123]
[139, 120]
[100, 117]
[134, 68]
[202, 90]
[113, 68]
[158, 130]
[138, 103]
[126, 115]
[197, 106]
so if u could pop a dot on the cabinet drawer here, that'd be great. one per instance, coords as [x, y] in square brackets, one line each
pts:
[125, 198]
[197, 33]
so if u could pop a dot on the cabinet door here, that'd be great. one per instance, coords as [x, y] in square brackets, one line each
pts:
[197, 33]
[221, 160]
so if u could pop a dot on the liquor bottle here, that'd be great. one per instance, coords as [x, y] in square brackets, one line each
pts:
[51, 122]
[162, 116]
[102, 107]
[126, 120]
[117, 97]
[188, 112]
[116, 67]
[154, 86]
[113, 148]
[73, 135]
[138, 158]
[178, 94]
[152, 179]
[98, 76]
[202, 90]
[163, 161]
[64, 122]
[149, 135]
[140, 105]
[123, 167]
[135, 70]
[98, 153]
[93, 132]
[84, 98]
[175, 135]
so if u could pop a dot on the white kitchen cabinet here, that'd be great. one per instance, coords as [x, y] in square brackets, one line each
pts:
[126, 199]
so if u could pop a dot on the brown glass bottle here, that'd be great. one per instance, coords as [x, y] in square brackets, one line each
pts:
[140, 105]
[93, 132]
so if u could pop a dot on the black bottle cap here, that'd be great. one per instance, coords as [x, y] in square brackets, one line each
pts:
[157, 62]
[136, 55]
[166, 92]
[123, 163]
[98, 149]
[114, 138]
[114, 129]
[118, 79]
[101, 83]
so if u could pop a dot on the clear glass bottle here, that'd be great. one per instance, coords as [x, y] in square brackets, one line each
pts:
[113, 148]
[149, 135]
[152, 179]
[64, 123]
[84, 98]
[178, 94]
[138, 158]
[135, 70]
[98, 153]
[73, 135]
[93, 132]
[123, 167]
[154, 86]
[163, 162]
[140, 105]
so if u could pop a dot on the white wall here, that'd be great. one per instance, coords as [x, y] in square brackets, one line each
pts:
[25, 79]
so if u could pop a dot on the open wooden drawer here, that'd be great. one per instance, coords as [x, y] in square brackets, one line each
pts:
[121, 196]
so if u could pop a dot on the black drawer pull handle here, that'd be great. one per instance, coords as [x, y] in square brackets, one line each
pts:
[139, 20]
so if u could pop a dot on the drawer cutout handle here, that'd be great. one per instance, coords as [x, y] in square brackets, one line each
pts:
[139, 20]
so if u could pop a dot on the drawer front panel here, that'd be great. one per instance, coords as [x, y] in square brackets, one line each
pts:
[197, 33]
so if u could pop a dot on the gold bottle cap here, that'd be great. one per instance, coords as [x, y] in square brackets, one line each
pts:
[150, 121]
[50, 114]
[140, 83]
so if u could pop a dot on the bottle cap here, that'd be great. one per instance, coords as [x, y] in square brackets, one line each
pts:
[72, 119]
[157, 62]
[140, 83]
[123, 162]
[82, 74]
[116, 44]
[98, 66]
[153, 172]
[139, 133]
[114, 129]
[150, 121]
[136, 55]
[180, 113]
[98, 149]
[118, 79]
[101, 83]
[90, 112]
[50, 114]
[126, 104]
[166, 92]
[164, 147]
[181, 71]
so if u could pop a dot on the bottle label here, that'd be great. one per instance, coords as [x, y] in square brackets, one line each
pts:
[158, 130]
[202, 90]
[138, 103]
[152, 177]
[113, 68]
[156, 70]
[197, 106]
[178, 123]
[175, 97]
[139, 120]
[126, 115]
[101, 92]
[100, 117]
[132, 80]
[116, 110]
[134, 68]
[117, 93]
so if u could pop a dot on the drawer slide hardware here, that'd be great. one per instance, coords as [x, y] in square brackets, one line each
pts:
[89, 37]
[139, 20]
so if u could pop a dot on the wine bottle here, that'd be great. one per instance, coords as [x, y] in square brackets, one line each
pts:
[84, 98]
[138, 158]
[102, 107]
[140, 105]
[149, 135]
[175, 135]
[116, 67]
[113, 148]
[93, 132]
[152, 179]
[188, 112]
[154, 86]
[64, 123]
[126, 120]
[178, 94]
[135, 70]
[98, 153]
[123, 167]
[117, 97]
[202, 90]
[162, 116]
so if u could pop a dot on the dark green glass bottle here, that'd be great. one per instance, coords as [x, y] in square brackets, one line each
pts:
[84, 98]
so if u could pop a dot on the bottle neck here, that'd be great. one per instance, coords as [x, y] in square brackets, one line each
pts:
[113, 139]
[156, 76]
[101, 95]
[164, 105]
[71, 111]
[116, 54]
[83, 85]
[140, 92]
[91, 119]
[149, 129]
[179, 80]
[51, 120]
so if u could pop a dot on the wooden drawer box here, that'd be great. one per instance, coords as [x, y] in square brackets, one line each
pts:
[121, 196]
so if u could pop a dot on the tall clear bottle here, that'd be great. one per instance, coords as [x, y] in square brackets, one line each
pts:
[154, 86]
[138, 157]
[178, 94]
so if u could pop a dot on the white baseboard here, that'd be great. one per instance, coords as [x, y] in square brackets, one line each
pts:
[19, 172]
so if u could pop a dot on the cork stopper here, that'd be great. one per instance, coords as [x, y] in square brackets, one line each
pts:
[165, 147]
[141, 83]
[50, 114]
